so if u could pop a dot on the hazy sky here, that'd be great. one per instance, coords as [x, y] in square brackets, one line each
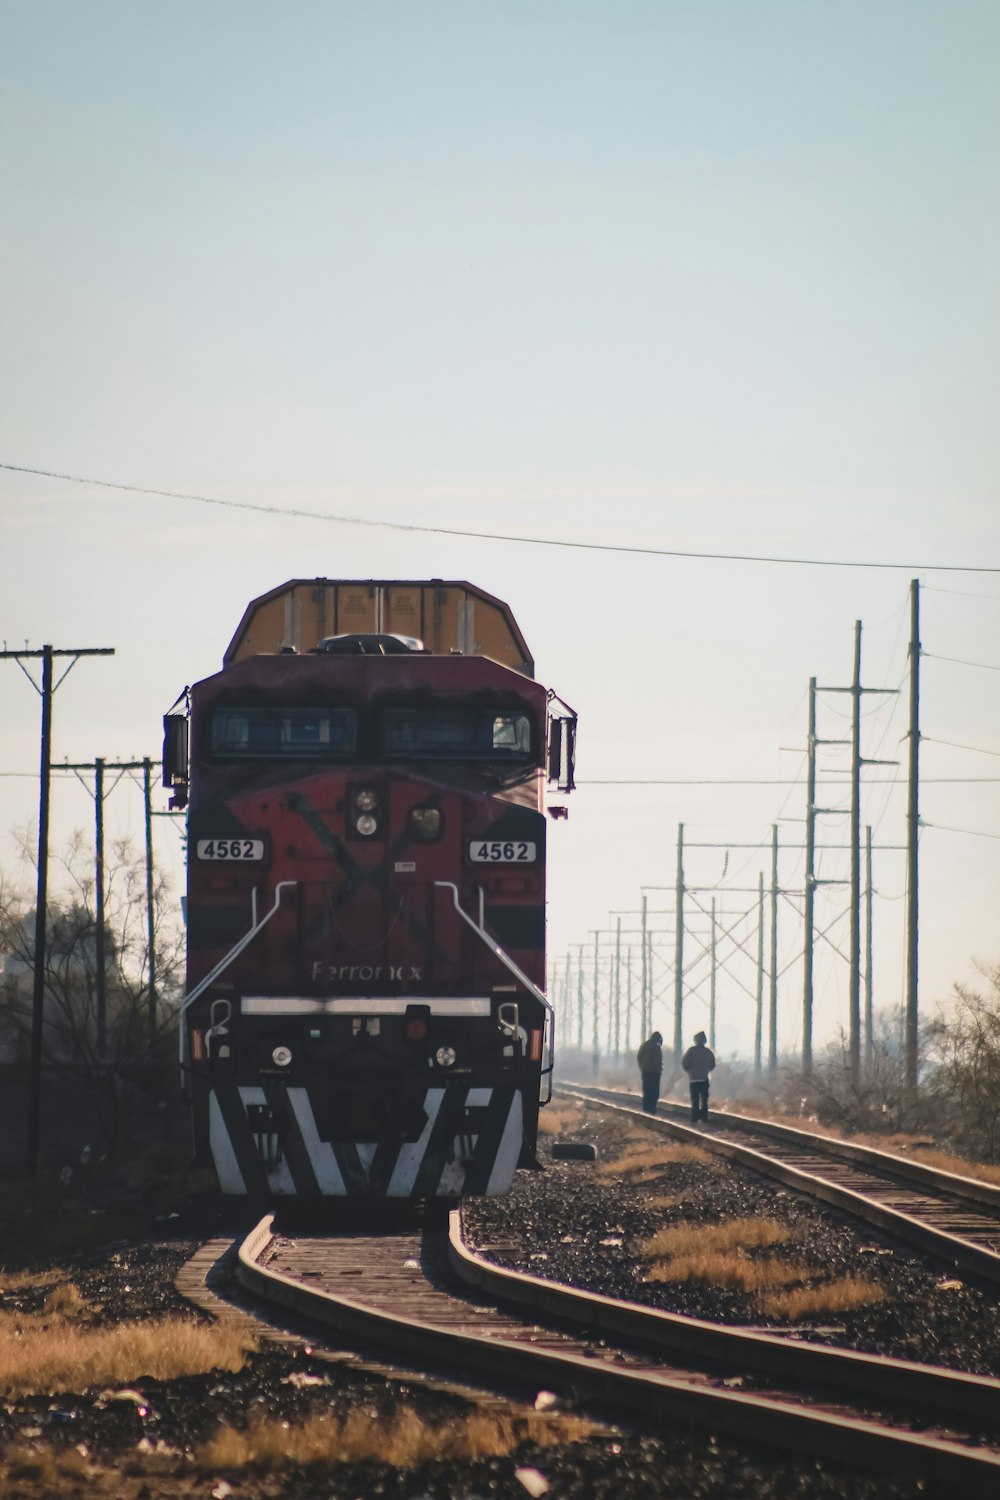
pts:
[713, 277]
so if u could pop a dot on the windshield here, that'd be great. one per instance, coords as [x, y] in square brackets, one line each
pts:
[449, 732]
[269, 733]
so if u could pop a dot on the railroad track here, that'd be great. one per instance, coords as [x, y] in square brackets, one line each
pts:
[427, 1298]
[954, 1218]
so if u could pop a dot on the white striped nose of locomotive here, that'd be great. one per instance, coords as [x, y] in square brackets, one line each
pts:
[246, 1161]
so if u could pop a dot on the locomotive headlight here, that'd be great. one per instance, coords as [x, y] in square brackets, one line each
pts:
[366, 800]
[366, 824]
[281, 1057]
[445, 1057]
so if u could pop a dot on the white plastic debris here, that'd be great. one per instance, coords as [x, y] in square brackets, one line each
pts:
[300, 1380]
[222, 1489]
[533, 1480]
[135, 1398]
[546, 1401]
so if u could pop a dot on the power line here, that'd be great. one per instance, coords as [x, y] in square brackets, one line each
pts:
[976, 833]
[960, 661]
[729, 781]
[495, 536]
[976, 749]
[958, 593]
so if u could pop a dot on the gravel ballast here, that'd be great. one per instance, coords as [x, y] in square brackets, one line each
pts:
[577, 1224]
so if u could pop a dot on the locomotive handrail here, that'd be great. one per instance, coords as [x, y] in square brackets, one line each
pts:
[479, 928]
[233, 953]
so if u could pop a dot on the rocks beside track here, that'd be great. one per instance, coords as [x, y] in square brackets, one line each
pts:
[576, 1224]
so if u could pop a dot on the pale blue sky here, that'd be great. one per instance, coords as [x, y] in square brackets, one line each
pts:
[691, 275]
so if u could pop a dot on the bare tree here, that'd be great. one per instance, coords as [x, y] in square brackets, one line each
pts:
[872, 1099]
[114, 1080]
[964, 1044]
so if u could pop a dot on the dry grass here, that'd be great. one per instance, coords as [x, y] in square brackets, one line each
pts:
[945, 1161]
[834, 1297]
[901, 1144]
[730, 1269]
[689, 1239]
[559, 1119]
[407, 1441]
[665, 1200]
[49, 1471]
[639, 1157]
[64, 1301]
[719, 1255]
[21, 1281]
[49, 1353]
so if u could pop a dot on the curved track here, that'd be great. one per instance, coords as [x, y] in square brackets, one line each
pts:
[409, 1292]
[954, 1218]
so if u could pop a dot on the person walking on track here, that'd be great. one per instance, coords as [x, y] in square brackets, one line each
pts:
[650, 1060]
[697, 1062]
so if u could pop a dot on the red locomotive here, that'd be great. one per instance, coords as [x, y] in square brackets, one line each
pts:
[365, 1013]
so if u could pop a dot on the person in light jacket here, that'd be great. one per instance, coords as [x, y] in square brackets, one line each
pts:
[650, 1060]
[697, 1062]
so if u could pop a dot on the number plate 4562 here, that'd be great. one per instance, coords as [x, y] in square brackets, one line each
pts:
[502, 852]
[230, 849]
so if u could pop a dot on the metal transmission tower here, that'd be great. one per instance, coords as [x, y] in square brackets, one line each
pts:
[46, 690]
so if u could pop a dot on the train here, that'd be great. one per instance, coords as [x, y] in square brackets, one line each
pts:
[369, 782]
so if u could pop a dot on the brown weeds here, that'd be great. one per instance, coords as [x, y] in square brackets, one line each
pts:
[730, 1269]
[688, 1239]
[560, 1118]
[644, 1158]
[834, 1297]
[48, 1353]
[407, 1441]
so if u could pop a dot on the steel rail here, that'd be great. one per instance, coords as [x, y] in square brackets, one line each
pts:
[880, 1376]
[919, 1173]
[952, 1248]
[644, 1391]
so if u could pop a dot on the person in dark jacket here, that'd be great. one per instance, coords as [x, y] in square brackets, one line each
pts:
[650, 1060]
[697, 1062]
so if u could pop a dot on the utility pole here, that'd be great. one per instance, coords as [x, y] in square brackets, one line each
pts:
[147, 797]
[854, 1008]
[912, 1027]
[810, 886]
[772, 1030]
[869, 1040]
[579, 998]
[646, 1007]
[711, 1007]
[618, 988]
[595, 1043]
[99, 766]
[628, 996]
[46, 691]
[100, 956]
[679, 951]
[854, 955]
[759, 1015]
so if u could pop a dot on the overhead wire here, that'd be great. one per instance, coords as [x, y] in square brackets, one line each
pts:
[468, 534]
